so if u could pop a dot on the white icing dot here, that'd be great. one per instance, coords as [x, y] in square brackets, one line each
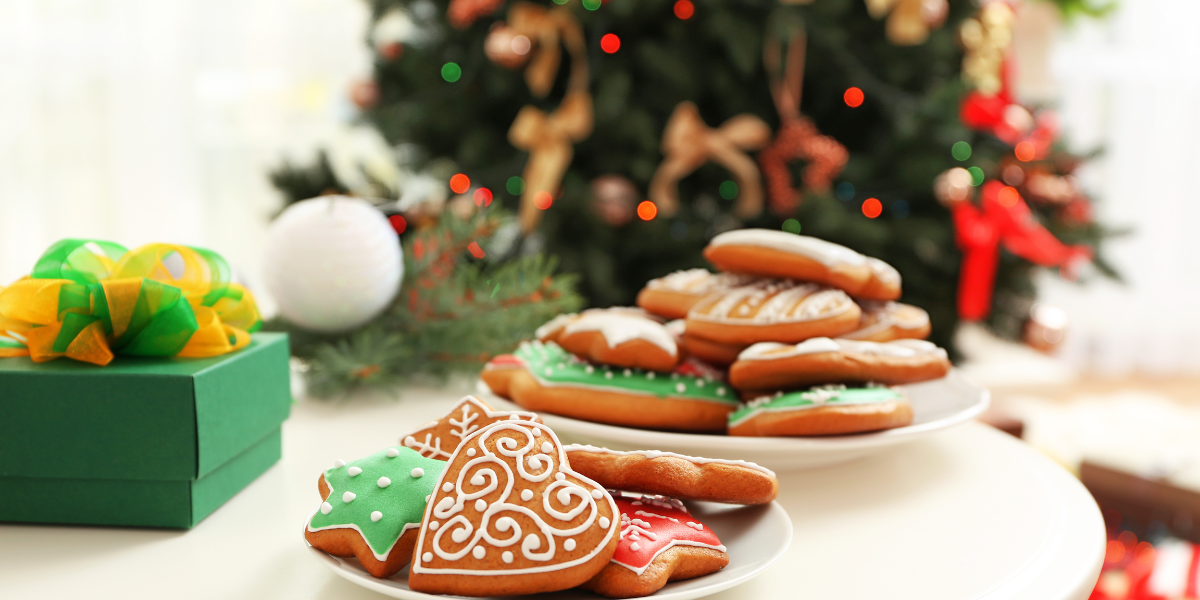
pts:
[339, 463]
[569, 545]
[527, 495]
[383, 482]
[549, 371]
[679, 387]
[433, 525]
[376, 515]
[446, 487]
[353, 471]
[326, 507]
[589, 369]
[480, 505]
[478, 552]
[459, 535]
[348, 497]
[507, 557]
[559, 477]
[471, 451]
[604, 522]
[417, 473]
[427, 557]
[720, 391]
[699, 382]
[537, 431]
[627, 373]
[597, 494]
[634, 546]
[608, 375]
[547, 447]
[650, 375]
[393, 453]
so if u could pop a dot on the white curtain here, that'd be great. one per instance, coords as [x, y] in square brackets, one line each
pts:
[153, 120]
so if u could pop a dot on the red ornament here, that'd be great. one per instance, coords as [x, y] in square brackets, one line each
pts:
[799, 139]
[462, 13]
[979, 231]
[364, 94]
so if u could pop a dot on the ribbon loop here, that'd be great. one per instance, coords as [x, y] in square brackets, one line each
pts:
[88, 300]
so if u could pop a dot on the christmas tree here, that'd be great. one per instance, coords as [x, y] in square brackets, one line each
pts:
[832, 118]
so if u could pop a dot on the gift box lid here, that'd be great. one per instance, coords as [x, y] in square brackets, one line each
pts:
[140, 418]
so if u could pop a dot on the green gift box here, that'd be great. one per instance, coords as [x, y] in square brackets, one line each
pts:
[152, 442]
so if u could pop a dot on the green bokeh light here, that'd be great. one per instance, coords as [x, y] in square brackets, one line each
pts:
[451, 72]
[960, 151]
[729, 189]
[591, 4]
[976, 175]
[515, 185]
[791, 226]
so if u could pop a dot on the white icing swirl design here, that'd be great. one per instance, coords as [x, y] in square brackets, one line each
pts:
[894, 349]
[775, 301]
[619, 327]
[561, 502]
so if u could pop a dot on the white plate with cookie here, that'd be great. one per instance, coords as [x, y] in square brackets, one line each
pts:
[754, 536]
[936, 405]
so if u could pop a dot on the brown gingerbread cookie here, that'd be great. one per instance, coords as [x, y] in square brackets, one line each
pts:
[509, 516]
[714, 353]
[549, 331]
[887, 321]
[672, 296]
[773, 310]
[619, 337]
[676, 475]
[827, 410]
[771, 253]
[660, 542]
[498, 372]
[770, 366]
[371, 508]
[438, 439]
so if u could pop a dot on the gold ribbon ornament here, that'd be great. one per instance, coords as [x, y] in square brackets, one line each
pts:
[688, 143]
[88, 300]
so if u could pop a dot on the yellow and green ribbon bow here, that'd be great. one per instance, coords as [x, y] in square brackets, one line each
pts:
[88, 300]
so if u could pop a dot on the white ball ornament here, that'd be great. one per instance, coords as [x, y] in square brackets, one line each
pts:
[332, 263]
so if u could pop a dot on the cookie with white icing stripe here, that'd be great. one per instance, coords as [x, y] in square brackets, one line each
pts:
[550, 330]
[676, 475]
[887, 321]
[438, 439]
[620, 338]
[498, 372]
[822, 411]
[672, 296]
[769, 366]
[555, 381]
[372, 507]
[773, 310]
[660, 542]
[509, 516]
[771, 253]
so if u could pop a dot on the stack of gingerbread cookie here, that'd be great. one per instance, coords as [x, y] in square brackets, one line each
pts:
[793, 318]
[490, 503]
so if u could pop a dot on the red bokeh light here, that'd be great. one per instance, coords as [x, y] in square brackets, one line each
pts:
[684, 9]
[1025, 151]
[853, 97]
[647, 210]
[1008, 196]
[460, 183]
[475, 250]
[610, 43]
[543, 200]
[872, 207]
[483, 197]
[398, 223]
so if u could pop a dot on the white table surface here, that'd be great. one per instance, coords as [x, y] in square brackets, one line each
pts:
[967, 513]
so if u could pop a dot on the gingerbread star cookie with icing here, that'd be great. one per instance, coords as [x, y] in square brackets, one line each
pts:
[887, 321]
[660, 542]
[371, 508]
[556, 381]
[618, 337]
[822, 411]
[672, 296]
[676, 475]
[771, 253]
[509, 516]
[438, 439]
[770, 366]
[773, 310]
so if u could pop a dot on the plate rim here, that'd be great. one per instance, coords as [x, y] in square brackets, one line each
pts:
[363, 579]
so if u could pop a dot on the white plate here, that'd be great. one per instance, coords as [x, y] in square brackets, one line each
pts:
[936, 405]
[755, 537]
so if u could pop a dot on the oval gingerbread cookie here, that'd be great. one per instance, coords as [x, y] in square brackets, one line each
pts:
[555, 381]
[675, 475]
[771, 253]
[826, 410]
[773, 310]
[887, 321]
[509, 516]
[672, 296]
[372, 508]
[660, 542]
[770, 366]
[620, 338]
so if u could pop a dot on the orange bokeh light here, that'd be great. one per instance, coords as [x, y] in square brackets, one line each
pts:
[475, 250]
[872, 207]
[483, 197]
[1025, 151]
[610, 43]
[1008, 196]
[647, 210]
[1114, 551]
[460, 183]
[853, 97]
[684, 9]
[543, 200]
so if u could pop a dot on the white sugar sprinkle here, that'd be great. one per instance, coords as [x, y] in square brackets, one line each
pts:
[417, 473]
[353, 471]
[383, 482]
[376, 515]
[393, 453]
[326, 507]
[348, 497]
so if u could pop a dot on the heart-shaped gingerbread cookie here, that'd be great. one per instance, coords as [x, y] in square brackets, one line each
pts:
[438, 439]
[509, 504]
